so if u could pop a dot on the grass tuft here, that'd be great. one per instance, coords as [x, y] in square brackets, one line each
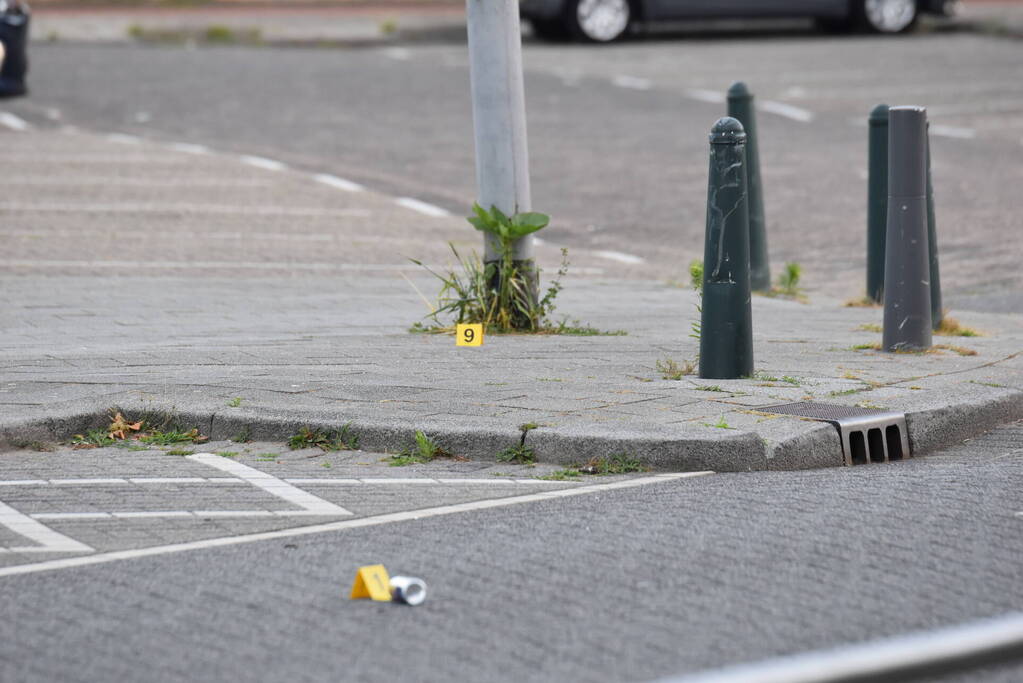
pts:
[339, 440]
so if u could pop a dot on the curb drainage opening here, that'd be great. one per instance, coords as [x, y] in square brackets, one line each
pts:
[867, 435]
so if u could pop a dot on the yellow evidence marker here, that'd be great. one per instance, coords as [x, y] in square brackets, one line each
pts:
[469, 335]
[372, 582]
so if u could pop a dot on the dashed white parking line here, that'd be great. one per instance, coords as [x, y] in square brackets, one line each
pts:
[338, 183]
[364, 522]
[167, 480]
[787, 110]
[188, 148]
[711, 96]
[953, 132]
[632, 82]
[123, 139]
[87, 482]
[620, 257]
[24, 482]
[15, 123]
[47, 539]
[270, 484]
[262, 162]
[422, 207]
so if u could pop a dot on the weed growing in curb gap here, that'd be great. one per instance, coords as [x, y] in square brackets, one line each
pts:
[562, 475]
[235, 402]
[339, 440]
[617, 463]
[521, 454]
[670, 369]
[423, 450]
[179, 451]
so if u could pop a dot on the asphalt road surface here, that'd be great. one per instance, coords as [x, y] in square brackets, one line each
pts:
[618, 134]
[617, 584]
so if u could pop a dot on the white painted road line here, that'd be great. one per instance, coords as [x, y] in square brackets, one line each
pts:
[632, 83]
[123, 139]
[168, 480]
[893, 658]
[86, 482]
[338, 183]
[422, 207]
[177, 209]
[262, 162]
[620, 257]
[327, 482]
[13, 122]
[711, 96]
[786, 110]
[953, 132]
[270, 484]
[161, 514]
[25, 482]
[72, 515]
[377, 520]
[188, 148]
[233, 513]
[48, 539]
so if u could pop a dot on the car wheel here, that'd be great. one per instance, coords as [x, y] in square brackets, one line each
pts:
[887, 16]
[599, 21]
[553, 30]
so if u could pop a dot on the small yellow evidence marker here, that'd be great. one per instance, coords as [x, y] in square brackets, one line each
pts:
[372, 582]
[469, 335]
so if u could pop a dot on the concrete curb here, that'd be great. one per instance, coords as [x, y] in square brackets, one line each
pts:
[784, 444]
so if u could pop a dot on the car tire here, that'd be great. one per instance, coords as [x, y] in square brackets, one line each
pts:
[886, 16]
[551, 30]
[599, 21]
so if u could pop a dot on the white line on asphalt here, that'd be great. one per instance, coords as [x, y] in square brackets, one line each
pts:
[399, 481]
[270, 484]
[71, 515]
[24, 482]
[219, 209]
[233, 513]
[262, 162]
[620, 257]
[161, 514]
[894, 658]
[13, 122]
[328, 482]
[712, 96]
[123, 139]
[786, 110]
[399, 53]
[48, 539]
[377, 520]
[188, 148]
[632, 82]
[168, 480]
[953, 132]
[220, 265]
[338, 183]
[422, 207]
[66, 482]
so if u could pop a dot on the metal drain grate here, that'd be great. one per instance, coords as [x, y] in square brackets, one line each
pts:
[867, 435]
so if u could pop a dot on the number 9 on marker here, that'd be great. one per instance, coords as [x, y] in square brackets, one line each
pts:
[469, 335]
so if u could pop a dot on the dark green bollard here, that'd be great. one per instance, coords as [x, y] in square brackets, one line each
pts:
[937, 314]
[726, 335]
[877, 201]
[740, 107]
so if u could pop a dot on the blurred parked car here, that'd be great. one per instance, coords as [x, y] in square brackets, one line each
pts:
[14, 18]
[603, 21]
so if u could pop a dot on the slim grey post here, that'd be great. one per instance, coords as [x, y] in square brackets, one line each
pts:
[907, 279]
[937, 314]
[740, 107]
[499, 114]
[877, 200]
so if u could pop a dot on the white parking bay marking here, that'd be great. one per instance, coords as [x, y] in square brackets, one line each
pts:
[49, 540]
[270, 484]
[341, 525]
[13, 122]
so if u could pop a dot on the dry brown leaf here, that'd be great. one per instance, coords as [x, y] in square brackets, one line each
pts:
[120, 427]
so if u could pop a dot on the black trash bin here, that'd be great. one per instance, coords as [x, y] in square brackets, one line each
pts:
[14, 20]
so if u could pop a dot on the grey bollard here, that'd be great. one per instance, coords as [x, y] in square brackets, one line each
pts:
[907, 286]
[740, 107]
[937, 314]
[726, 333]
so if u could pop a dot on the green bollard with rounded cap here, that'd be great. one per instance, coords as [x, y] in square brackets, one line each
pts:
[877, 200]
[726, 334]
[740, 107]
